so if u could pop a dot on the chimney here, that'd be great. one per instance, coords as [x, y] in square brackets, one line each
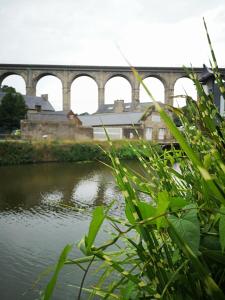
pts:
[45, 97]
[118, 106]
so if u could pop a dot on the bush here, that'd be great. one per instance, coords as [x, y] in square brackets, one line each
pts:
[77, 152]
[14, 153]
[18, 152]
[22, 152]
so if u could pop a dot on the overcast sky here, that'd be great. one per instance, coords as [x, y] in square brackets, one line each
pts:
[86, 32]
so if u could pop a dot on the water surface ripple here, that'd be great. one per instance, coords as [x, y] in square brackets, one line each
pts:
[42, 208]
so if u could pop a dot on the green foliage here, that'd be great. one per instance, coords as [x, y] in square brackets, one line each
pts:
[184, 111]
[125, 152]
[15, 153]
[12, 109]
[22, 152]
[77, 152]
[97, 219]
[169, 243]
[222, 228]
[188, 227]
[50, 287]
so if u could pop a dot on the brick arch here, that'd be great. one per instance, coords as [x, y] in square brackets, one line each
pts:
[178, 91]
[155, 93]
[119, 76]
[111, 76]
[38, 76]
[83, 74]
[53, 87]
[7, 74]
[82, 90]
[181, 77]
[159, 77]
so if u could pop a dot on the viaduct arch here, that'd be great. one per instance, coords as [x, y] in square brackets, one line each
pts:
[31, 73]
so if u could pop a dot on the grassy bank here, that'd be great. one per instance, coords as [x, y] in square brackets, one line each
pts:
[24, 152]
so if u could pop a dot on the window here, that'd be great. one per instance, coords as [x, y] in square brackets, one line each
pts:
[38, 108]
[148, 133]
[161, 135]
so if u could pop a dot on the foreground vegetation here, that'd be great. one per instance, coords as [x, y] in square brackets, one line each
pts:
[170, 241]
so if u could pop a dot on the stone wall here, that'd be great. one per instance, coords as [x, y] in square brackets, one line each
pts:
[69, 130]
[55, 130]
[155, 122]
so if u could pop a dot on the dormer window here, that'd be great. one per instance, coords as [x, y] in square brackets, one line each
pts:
[38, 108]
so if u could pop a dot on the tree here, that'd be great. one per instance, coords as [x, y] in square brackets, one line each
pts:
[12, 109]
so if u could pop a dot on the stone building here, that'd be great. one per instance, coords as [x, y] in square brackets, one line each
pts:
[121, 122]
[35, 104]
[119, 119]
[154, 127]
[55, 125]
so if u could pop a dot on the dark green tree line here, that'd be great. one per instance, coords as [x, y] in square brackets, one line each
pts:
[12, 109]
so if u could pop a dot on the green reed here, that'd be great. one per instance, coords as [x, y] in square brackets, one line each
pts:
[170, 241]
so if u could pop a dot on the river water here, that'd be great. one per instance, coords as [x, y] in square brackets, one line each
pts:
[42, 208]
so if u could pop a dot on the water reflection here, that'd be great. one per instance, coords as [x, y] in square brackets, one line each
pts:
[27, 187]
[42, 208]
[36, 221]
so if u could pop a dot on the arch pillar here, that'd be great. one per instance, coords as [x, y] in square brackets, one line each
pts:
[66, 89]
[135, 97]
[135, 93]
[101, 96]
[30, 90]
[66, 97]
[101, 80]
[169, 88]
[30, 84]
[169, 94]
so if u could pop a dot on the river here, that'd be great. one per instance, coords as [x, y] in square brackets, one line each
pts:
[43, 207]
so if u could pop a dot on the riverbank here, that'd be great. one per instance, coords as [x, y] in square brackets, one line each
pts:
[24, 152]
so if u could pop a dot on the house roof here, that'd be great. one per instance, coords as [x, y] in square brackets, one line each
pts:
[32, 101]
[206, 74]
[97, 119]
[128, 107]
[127, 118]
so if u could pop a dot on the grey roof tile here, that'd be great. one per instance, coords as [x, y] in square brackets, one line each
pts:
[32, 101]
[108, 108]
[127, 118]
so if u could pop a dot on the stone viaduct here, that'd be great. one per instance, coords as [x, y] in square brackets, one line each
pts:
[31, 73]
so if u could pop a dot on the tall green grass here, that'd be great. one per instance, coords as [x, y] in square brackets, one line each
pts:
[169, 242]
